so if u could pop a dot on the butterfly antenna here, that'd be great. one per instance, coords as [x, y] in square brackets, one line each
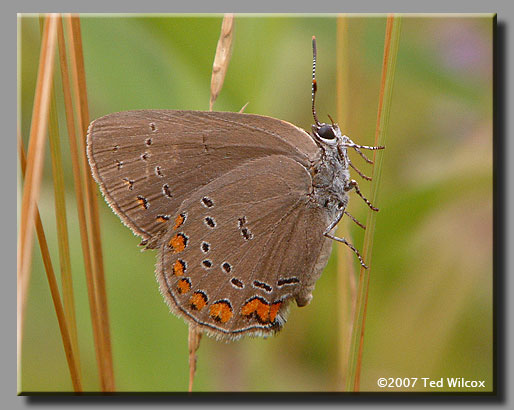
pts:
[314, 85]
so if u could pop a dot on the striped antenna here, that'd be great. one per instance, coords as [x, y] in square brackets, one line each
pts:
[314, 85]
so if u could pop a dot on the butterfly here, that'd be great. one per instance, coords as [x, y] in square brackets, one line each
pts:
[240, 207]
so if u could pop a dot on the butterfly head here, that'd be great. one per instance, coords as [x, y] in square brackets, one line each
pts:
[326, 134]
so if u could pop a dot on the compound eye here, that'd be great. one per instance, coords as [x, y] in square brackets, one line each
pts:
[326, 132]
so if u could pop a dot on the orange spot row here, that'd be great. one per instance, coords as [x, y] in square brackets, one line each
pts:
[179, 267]
[183, 286]
[264, 312]
[198, 301]
[179, 220]
[273, 310]
[143, 203]
[178, 242]
[221, 311]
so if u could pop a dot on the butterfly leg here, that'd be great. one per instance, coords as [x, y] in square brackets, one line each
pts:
[353, 185]
[358, 171]
[355, 220]
[350, 144]
[356, 148]
[342, 240]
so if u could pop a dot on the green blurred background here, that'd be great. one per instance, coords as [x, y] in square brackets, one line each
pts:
[430, 298]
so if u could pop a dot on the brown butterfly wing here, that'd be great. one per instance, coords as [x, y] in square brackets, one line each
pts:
[147, 162]
[242, 247]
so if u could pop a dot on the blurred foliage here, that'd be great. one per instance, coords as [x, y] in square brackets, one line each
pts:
[430, 301]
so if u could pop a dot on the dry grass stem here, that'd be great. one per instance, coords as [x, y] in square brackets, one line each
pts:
[386, 86]
[193, 341]
[79, 195]
[346, 283]
[222, 57]
[69, 350]
[32, 184]
[61, 221]
[243, 108]
[81, 104]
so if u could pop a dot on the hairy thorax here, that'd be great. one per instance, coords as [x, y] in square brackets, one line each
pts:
[330, 179]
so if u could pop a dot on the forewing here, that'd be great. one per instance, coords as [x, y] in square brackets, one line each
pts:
[147, 162]
[242, 247]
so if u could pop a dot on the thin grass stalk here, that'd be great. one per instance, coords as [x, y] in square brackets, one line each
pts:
[345, 270]
[392, 36]
[193, 341]
[34, 175]
[62, 223]
[81, 104]
[79, 196]
[219, 70]
[70, 352]
[222, 57]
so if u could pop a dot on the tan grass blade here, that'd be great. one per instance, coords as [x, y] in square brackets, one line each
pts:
[79, 195]
[346, 281]
[32, 184]
[69, 349]
[81, 104]
[61, 222]
[243, 108]
[392, 36]
[193, 342]
[222, 57]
